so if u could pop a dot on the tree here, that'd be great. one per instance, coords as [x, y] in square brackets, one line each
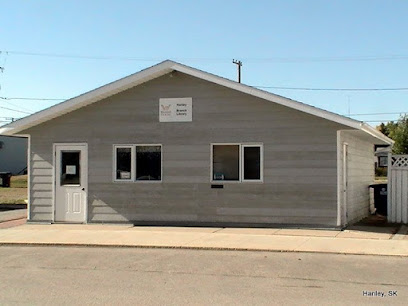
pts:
[388, 129]
[397, 131]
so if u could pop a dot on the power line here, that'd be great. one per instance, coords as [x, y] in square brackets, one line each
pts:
[334, 89]
[374, 114]
[265, 59]
[343, 115]
[348, 115]
[270, 87]
[330, 59]
[10, 118]
[15, 110]
[379, 120]
[14, 105]
[76, 56]
[27, 98]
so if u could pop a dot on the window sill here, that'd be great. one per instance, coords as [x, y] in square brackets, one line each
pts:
[237, 182]
[136, 182]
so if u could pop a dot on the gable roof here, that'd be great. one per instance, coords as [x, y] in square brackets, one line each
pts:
[165, 68]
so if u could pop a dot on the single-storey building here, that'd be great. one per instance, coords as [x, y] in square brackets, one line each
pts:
[175, 145]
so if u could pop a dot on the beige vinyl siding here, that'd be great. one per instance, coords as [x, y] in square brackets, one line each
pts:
[41, 172]
[360, 175]
[300, 174]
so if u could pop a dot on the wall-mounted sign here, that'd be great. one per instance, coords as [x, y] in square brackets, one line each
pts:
[70, 170]
[176, 110]
[125, 175]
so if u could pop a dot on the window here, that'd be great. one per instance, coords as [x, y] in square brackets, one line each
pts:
[148, 163]
[252, 163]
[383, 161]
[123, 163]
[70, 172]
[237, 163]
[137, 163]
[226, 162]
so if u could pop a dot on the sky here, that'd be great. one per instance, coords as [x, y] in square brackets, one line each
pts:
[60, 49]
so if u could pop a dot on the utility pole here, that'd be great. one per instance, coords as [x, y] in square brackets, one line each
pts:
[239, 64]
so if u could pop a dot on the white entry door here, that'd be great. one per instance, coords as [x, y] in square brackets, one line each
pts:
[71, 182]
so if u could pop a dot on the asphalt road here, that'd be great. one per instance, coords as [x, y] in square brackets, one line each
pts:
[122, 276]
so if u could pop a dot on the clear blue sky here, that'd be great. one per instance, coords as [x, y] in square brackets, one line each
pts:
[313, 44]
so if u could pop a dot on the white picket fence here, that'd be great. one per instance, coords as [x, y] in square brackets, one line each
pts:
[397, 196]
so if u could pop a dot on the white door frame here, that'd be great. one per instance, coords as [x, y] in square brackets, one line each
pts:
[54, 176]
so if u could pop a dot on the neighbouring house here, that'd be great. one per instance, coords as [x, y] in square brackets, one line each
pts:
[381, 154]
[175, 145]
[13, 154]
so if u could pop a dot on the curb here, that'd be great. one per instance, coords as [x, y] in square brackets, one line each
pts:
[402, 232]
[85, 245]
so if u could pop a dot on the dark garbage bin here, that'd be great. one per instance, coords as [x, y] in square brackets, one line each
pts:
[5, 179]
[380, 198]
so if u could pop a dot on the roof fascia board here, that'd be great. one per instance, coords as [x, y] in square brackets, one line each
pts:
[5, 131]
[377, 134]
[367, 136]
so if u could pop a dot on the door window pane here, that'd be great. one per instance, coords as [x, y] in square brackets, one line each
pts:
[252, 163]
[148, 163]
[123, 163]
[226, 162]
[70, 168]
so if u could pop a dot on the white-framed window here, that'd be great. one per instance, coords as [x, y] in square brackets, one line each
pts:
[123, 163]
[252, 163]
[383, 161]
[236, 162]
[137, 163]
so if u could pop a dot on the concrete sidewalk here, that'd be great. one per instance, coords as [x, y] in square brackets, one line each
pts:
[13, 214]
[354, 241]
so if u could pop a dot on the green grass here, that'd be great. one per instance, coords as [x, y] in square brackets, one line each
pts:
[18, 181]
[16, 193]
[379, 179]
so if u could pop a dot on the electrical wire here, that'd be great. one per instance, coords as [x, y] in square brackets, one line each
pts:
[14, 105]
[374, 114]
[61, 99]
[27, 98]
[380, 120]
[334, 89]
[15, 110]
[343, 115]
[248, 59]
[92, 57]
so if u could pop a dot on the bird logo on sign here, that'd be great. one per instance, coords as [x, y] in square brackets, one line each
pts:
[165, 107]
